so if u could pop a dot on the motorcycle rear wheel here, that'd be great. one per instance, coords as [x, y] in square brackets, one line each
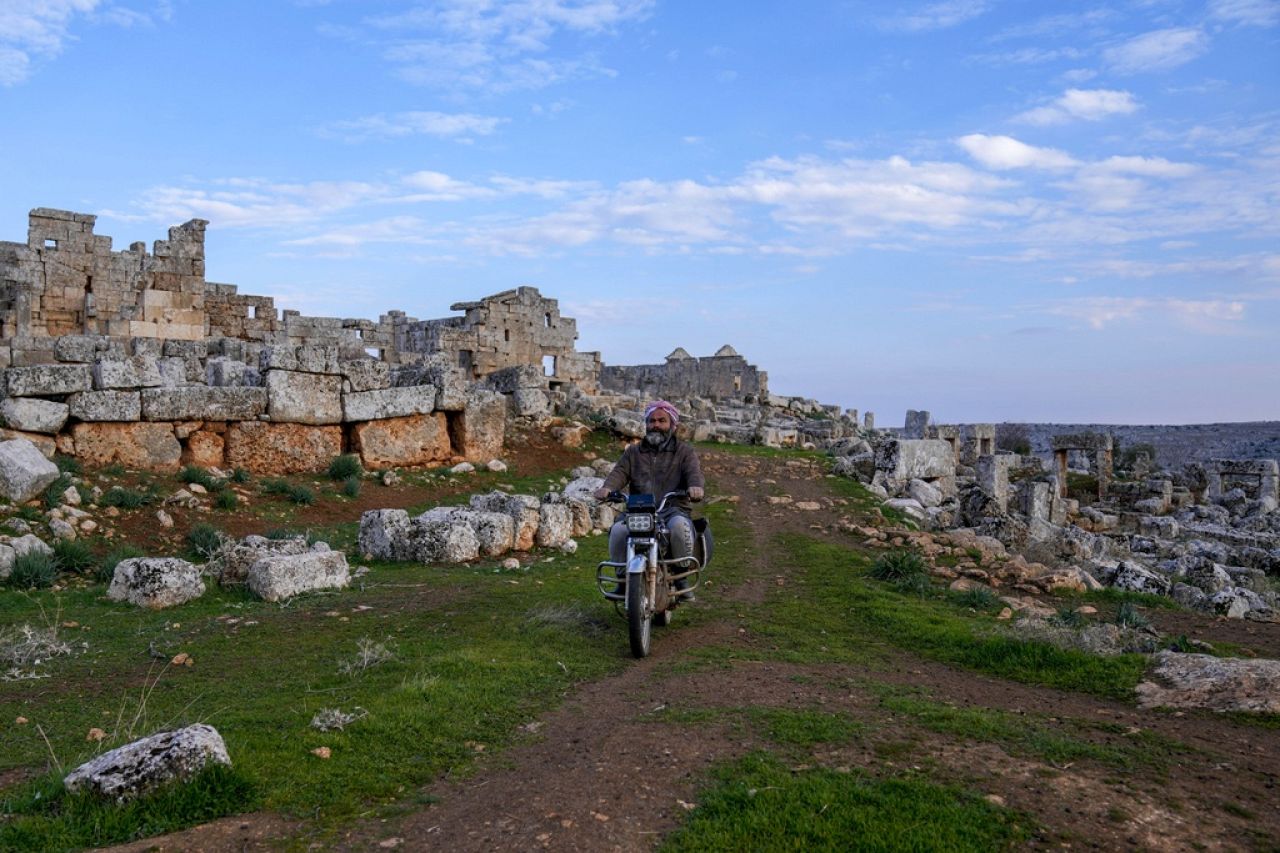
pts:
[639, 617]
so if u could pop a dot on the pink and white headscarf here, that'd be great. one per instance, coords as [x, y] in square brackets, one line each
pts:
[664, 406]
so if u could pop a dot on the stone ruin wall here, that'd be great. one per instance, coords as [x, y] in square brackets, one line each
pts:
[133, 357]
[723, 376]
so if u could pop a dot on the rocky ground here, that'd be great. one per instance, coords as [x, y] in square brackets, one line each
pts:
[612, 769]
[1175, 445]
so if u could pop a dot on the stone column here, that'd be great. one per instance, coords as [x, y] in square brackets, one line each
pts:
[1060, 457]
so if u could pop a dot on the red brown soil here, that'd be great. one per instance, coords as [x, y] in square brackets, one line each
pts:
[604, 772]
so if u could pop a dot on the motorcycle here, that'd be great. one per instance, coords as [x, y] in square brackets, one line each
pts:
[648, 585]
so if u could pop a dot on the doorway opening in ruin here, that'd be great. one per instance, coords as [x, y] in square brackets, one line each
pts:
[464, 359]
[548, 365]
[737, 383]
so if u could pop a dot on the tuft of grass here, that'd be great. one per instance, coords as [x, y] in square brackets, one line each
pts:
[370, 653]
[115, 469]
[345, 467]
[284, 489]
[53, 492]
[1129, 616]
[203, 541]
[42, 815]
[240, 475]
[74, 555]
[898, 565]
[34, 570]
[351, 487]
[119, 496]
[107, 566]
[758, 799]
[29, 513]
[68, 464]
[979, 598]
[1069, 617]
[226, 499]
[196, 474]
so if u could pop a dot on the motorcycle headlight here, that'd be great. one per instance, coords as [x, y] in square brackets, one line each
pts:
[640, 523]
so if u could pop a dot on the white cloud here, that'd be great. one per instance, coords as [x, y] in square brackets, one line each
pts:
[437, 186]
[936, 16]
[1030, 55]
[1084, 104]
[418, 123]
[34, 28]
[496, 46]
[1152, 167]
[1207, 316]
[1159, 50]
[1005, 152]
[1256, 13]
[249, 202]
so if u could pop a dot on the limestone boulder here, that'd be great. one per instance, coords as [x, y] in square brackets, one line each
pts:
[276, 577]
[388, 403]
[137, 768]
[910, 507]
[482, 426]
[582, 519]
[555, 525]
[1138, 578]
[7, 558]
[29, 543]
[140, 445]
[24, 471]
[270, 448]
[1208, 576]
[583, 487]
[126, 374]
[204, 448]
[524, 511]
[530, 403]
[368, 374]
[441, 536]
[230, 564]
[924, 493]
[48, 380]
[384, 534]
[198, 402]
[304, 398]
[32, 414]
[900, 461]
[1239, 603]
[46, 444]
[410, 440]
[1218, 684]
[155, 582]
[106, 406]
[495, 532]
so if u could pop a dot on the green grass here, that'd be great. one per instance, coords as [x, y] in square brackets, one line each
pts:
[292, 492]
[196, 474]
[345, 467]
[203, 540]
[1022, 735]
[805, 728]
[119, 496]
[351, 487]
[898, 566]
[34, 570]
[474, 658]
[226, 500]
[74, 555]
[68, 464]
[46, 817]
[759, 804]
[831, 611]
[53, 492]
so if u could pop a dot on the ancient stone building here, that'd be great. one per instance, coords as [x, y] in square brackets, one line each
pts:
[725, 375]
[65, 280]
[509, 329]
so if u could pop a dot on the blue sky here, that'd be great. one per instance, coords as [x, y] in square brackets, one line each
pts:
[992, 209]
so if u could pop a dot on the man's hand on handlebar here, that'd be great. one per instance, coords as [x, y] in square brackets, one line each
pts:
[695, 493]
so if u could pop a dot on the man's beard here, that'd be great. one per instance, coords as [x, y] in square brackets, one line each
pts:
[656, 437]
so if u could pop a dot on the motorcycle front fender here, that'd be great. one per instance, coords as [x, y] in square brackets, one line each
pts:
[637, 564]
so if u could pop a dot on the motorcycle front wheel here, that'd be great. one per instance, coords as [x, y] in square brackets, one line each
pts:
[639, 619]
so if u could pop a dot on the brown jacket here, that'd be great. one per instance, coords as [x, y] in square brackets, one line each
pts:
[646, 470]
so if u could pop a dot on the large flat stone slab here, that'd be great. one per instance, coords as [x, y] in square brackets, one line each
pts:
[195, 403]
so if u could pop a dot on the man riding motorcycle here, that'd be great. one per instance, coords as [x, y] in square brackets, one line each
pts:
[659, 464]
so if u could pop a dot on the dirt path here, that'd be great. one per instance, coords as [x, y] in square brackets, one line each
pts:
[607, 770]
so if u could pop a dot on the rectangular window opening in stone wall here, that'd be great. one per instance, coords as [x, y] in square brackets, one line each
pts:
[373, 351]
[50, 243]
[737, 383]
[548, 365]
[546, 320]
[464, 359]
